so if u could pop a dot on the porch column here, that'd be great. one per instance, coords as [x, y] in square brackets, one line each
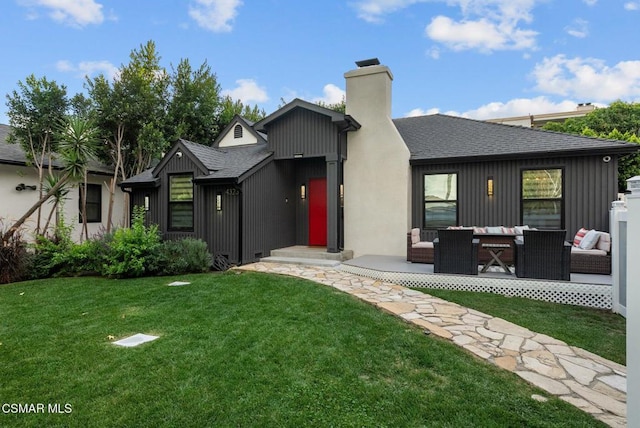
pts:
[333, 204]
[633, 301]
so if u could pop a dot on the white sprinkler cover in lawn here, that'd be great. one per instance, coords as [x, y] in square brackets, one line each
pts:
[135, 340]
[178, 283]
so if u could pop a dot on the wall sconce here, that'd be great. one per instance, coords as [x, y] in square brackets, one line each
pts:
[490, 185]
[218, 202]
[146, 202]
[303, 192]
[20, 187]
[342, 195]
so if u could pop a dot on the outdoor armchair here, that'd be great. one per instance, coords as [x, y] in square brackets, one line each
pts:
[543, 254]
[455, 251]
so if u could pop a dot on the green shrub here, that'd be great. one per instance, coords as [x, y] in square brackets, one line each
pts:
[187, 255]
[132, 252]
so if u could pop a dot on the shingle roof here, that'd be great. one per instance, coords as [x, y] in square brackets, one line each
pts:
[13, 154]
[439, 137]
[228, 162]
[222, 163]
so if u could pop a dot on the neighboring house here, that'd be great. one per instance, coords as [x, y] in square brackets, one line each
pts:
[539, 120]
[307, 175]
[19, 192]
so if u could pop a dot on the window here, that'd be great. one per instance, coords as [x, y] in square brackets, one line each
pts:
[542, 203]
[181, 202]
[440, 200]
[93, 203]
[237, 131]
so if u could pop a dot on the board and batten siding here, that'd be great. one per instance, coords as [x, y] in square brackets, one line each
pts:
[222, 226]
[590, 185]
[268, 210]
[305, 133]
[180, 165]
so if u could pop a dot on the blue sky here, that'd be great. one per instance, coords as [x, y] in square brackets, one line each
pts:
[475, 58]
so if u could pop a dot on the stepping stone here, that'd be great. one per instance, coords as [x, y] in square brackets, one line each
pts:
[135, 340]
[178, 283]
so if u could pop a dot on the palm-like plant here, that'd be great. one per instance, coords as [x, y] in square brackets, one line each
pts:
[77, 145]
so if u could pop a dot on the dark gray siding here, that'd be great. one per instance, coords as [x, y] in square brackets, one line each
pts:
[137, 199]
[590, 185]
[303, 132]
[180, 165]
[222, 227]
[268, 210]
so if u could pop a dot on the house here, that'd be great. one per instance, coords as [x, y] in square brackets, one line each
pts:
[19, 193]
[539, 120]
[359, 180]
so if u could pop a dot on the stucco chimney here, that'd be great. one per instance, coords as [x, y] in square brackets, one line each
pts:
[376, 172]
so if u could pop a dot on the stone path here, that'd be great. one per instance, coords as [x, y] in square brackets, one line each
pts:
[589, 382]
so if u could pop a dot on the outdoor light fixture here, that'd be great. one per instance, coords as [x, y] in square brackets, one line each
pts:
[146, 202]
[20, 187]
[218, 202]
[303, 192]
[490, 185]
[342, 195]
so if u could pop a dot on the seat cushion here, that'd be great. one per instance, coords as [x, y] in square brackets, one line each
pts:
[592, 252]
[415, 236]
[423, 244]
[604, 242]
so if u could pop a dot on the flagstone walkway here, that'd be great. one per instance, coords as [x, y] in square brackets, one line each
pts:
[591, 383]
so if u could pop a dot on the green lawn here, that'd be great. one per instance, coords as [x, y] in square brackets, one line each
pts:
[599, 331]
[243, 350]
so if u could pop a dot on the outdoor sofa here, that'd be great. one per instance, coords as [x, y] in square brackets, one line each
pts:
[591, 252]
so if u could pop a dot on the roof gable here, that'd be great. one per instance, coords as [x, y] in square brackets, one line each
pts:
[335, 116]
[437, 138]
[229, 138]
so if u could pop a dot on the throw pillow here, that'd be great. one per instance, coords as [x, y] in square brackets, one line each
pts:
[519, 229]
[494, 229]
[589, 240]
[579, 236]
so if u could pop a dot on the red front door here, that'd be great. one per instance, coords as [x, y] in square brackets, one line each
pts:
[318, 211]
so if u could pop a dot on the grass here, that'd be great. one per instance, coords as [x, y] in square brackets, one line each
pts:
[599, 331]
[243, 350]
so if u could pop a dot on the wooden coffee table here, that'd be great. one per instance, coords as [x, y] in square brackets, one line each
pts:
[496, 251]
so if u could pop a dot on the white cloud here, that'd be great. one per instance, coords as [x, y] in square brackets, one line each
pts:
[520, 107]
[482, 34]
[374, 10]
[590, 2]
[632, 5]
[579, 28]
[88, 68]
[433, 52]
[589, 79]
[332, 95]
[486, 25]
[215, 15]
[421, 112]
[247, 91]
[77, 13]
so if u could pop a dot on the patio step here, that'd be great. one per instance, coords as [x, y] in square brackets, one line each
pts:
[301, 261]
[316, 253]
